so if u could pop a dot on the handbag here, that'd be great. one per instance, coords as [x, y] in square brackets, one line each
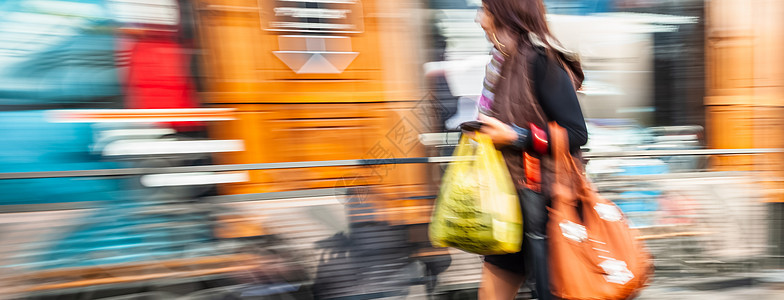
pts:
[477, 209]
[593, 252]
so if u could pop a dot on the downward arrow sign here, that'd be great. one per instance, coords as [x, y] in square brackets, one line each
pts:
[312, 62]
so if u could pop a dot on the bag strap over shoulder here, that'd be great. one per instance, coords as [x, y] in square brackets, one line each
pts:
[569, 188]
[564, 183]
[566, 169]
[559, 142]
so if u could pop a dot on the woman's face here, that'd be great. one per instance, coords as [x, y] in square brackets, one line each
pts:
[485, 19]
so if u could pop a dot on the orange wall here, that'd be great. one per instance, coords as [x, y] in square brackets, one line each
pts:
[745, 83]
[370, 110]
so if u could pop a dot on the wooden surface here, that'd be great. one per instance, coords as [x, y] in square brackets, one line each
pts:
[745, 84]
[242, 68]
[371, 110]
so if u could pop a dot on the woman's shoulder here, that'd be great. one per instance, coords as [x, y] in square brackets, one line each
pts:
[543, 63]
[552, 63]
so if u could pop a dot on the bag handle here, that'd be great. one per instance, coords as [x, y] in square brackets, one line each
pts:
[569, 187]
[464, 147]
[484, 140]
[566, 168]
[566, 183]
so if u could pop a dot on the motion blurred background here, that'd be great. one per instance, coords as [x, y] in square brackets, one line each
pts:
[292, 149]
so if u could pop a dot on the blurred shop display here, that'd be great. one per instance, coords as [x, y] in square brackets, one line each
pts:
[629, 58]
[54, 55]
[312, 98]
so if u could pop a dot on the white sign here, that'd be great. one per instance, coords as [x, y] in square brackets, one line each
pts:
[312, 16]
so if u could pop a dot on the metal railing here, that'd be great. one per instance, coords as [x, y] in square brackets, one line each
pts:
[354, 162]
[121, 172]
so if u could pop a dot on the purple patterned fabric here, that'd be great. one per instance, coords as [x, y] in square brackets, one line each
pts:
[492, 74]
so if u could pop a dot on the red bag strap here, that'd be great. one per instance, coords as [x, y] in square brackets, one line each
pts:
[533, 172]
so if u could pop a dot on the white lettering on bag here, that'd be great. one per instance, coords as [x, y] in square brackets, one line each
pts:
[608, 212]
[574, 231]
[616, 271]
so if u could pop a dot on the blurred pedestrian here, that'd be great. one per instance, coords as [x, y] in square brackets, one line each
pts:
[530, 81]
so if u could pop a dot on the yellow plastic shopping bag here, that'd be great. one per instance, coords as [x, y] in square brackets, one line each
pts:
[477, 209]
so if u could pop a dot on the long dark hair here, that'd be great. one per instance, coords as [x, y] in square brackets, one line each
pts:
[515, 102]
[519, 17]
[526, 19]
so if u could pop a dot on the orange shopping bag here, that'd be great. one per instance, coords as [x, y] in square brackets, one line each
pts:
[593, 254]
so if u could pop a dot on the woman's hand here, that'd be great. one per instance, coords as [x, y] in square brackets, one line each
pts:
[501, 133]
